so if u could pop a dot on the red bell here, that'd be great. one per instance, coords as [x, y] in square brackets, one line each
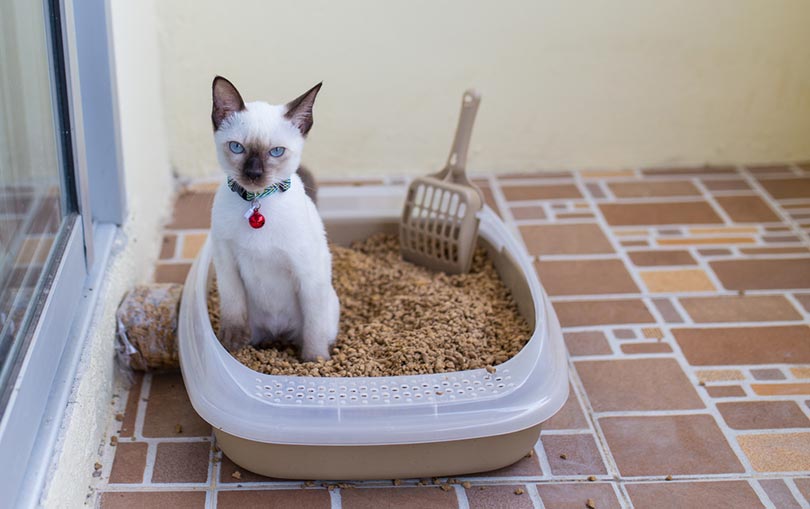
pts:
[256, 220]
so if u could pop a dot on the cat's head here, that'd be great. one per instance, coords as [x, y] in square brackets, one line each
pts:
[259, 144]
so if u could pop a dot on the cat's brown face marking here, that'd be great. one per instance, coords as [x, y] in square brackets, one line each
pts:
[255, 168]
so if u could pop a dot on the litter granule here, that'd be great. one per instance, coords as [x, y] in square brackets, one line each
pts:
[398, 318]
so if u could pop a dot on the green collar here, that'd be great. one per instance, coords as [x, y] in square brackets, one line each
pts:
[251, 196]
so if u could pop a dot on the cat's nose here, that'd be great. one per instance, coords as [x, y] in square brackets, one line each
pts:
[253, 168]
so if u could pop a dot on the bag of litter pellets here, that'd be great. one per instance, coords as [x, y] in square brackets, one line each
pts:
[147, 327]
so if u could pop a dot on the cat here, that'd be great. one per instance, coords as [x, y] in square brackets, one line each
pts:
[273, 265]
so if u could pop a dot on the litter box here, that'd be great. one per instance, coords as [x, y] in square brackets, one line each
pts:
[447, 424]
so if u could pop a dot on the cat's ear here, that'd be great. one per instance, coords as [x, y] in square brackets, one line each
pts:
[299, 110]
[226, 100]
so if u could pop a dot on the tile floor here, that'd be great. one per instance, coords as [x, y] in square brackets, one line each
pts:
[684, 296]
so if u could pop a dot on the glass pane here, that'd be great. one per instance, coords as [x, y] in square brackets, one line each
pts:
[31, 205]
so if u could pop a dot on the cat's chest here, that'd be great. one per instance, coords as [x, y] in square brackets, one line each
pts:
[230, 221]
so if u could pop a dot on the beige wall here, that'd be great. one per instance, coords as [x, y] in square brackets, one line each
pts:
[565, 84]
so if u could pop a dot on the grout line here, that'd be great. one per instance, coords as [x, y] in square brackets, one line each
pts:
[794, 490]
[620, 490]
[335, 498]
[760, 492]
[461, 497]
[534, 496]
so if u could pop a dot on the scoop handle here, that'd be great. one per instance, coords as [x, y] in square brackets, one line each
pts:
[457, 160]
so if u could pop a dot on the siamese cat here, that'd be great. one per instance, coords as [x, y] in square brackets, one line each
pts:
[273, 266]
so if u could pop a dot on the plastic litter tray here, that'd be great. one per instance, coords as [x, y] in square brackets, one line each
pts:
[438, 425]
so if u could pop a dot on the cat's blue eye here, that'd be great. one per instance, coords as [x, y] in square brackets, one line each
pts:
[277, 151]
[236, 147]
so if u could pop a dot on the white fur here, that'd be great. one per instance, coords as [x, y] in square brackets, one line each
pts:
[275, 280]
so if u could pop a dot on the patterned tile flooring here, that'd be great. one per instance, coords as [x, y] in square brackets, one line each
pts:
[684, 296]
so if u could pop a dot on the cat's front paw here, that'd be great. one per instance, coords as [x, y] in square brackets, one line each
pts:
[311, 351]
[234, 336]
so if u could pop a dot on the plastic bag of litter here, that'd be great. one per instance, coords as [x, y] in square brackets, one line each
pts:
[147, 327]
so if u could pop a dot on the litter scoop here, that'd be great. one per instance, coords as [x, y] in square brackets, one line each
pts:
[439, 226]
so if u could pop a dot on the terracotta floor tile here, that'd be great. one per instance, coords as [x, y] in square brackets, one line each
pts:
[723, 230]
[580, 451]
[498, 497]
[565, 239]
[153, 499]
[657, 257]
[227, 468]
[714, 252]
[804, 300]
[725, 391]
[632, 214]
[534, 175]
[171, 272]
[587, 343]
[779, 493]
[585, 277]
[540, 192]
[603, 174]
[192, 210]
[595, 190]
[634, 243]
[747, 209]
[785, 188]
[697, 172]
[604, 312]
[525, 467]
[745, 345]
[768, 374]
[679, 495]
[624, 333]
[777, 452]
[682, 280]
[576, 495]
[398, 498]
[255, 499]
[181, 462]
[131, 409]
[763, 415]
[780, 238]
[669, 445]
[777, 389]
[801, 371]
[129, 462]
[667, 310]
[192, 243]
[700, 241]
[570, 416]
[773, 250]
[640, 348]
[637, 384]
[767, 169]
[726, 185]
[763, 274]
[650, 188]
[747, 308]
[529, 212]
[168, 246]
[169, 406]
[719, 375]
[580, 215]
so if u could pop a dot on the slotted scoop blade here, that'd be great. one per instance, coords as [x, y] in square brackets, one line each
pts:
[439, 225]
